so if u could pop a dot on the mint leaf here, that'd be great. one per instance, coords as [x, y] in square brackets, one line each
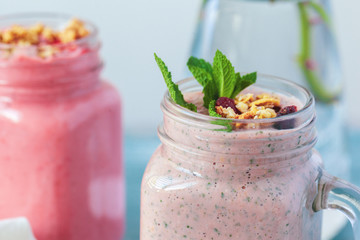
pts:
[201, 70]
[248, 79]
[243, 82]
[212, 109]
[210, 93]
[174, 91]
[213, 113]
[224, 75]
[203, 73]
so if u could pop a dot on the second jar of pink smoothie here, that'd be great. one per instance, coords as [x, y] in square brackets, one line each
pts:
[60, 137]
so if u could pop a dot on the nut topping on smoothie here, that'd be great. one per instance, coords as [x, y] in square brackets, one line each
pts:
[222, 91]
[44, 37]
[247, 107]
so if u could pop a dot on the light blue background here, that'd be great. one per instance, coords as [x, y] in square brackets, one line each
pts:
[132, 30]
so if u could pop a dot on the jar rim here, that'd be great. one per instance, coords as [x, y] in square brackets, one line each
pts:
[169, 106]
[198, 133]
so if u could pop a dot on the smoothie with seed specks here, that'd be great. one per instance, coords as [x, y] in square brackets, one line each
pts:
[237, 160]
[60, 131]
[251, 183]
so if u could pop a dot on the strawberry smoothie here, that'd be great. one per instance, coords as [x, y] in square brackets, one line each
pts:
[60, 140]
[257, 182]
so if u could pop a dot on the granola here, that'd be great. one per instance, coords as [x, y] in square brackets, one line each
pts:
[46, 39]
[249, 107]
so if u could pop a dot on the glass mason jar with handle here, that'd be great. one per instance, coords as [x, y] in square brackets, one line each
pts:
[60, 133]
[264, 181]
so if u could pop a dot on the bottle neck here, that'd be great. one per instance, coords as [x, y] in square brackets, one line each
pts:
[72, 73]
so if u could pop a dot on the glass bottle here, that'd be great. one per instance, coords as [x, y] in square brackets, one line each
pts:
[292, 39]
[61, 144]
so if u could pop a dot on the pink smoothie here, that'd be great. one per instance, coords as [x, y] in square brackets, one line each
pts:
[60, 146]
[247, 184]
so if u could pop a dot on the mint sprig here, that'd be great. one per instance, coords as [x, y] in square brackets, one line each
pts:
[220, 79]
[173, 88]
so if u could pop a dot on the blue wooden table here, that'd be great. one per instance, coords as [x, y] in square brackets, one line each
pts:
[138, 151]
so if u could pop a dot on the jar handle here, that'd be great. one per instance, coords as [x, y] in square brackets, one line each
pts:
[335, 193]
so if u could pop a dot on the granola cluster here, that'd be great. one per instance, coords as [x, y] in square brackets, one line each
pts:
[44, 37]
[248, 106]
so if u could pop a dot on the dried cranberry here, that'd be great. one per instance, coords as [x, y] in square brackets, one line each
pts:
[227, 102]
[286, 124]
[277, 109]
[287, 110]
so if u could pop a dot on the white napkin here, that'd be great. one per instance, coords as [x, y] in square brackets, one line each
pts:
[16, 229]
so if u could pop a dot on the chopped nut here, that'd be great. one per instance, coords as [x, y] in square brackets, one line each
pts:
[83, 32]
[18, 31]
[49, 35]
[75, 30]
[266, 102]
[249, 97]
[247, 115]
[32, 38]
[7, 36]
[68, 36]
[266, 113]
[229, 112]
[37, 29]
[75, 23]
[47, 51]
[226, 112]
[242, 107]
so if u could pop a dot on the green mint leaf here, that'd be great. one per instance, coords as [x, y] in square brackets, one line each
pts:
[238, 86]
[174, 91]
[243, 82]
[212, 109]
[210, 93]
[213, 113]
[224, 75]
[201, 70]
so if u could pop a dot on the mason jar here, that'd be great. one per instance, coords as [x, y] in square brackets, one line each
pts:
[60, 138]
[262, 181]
